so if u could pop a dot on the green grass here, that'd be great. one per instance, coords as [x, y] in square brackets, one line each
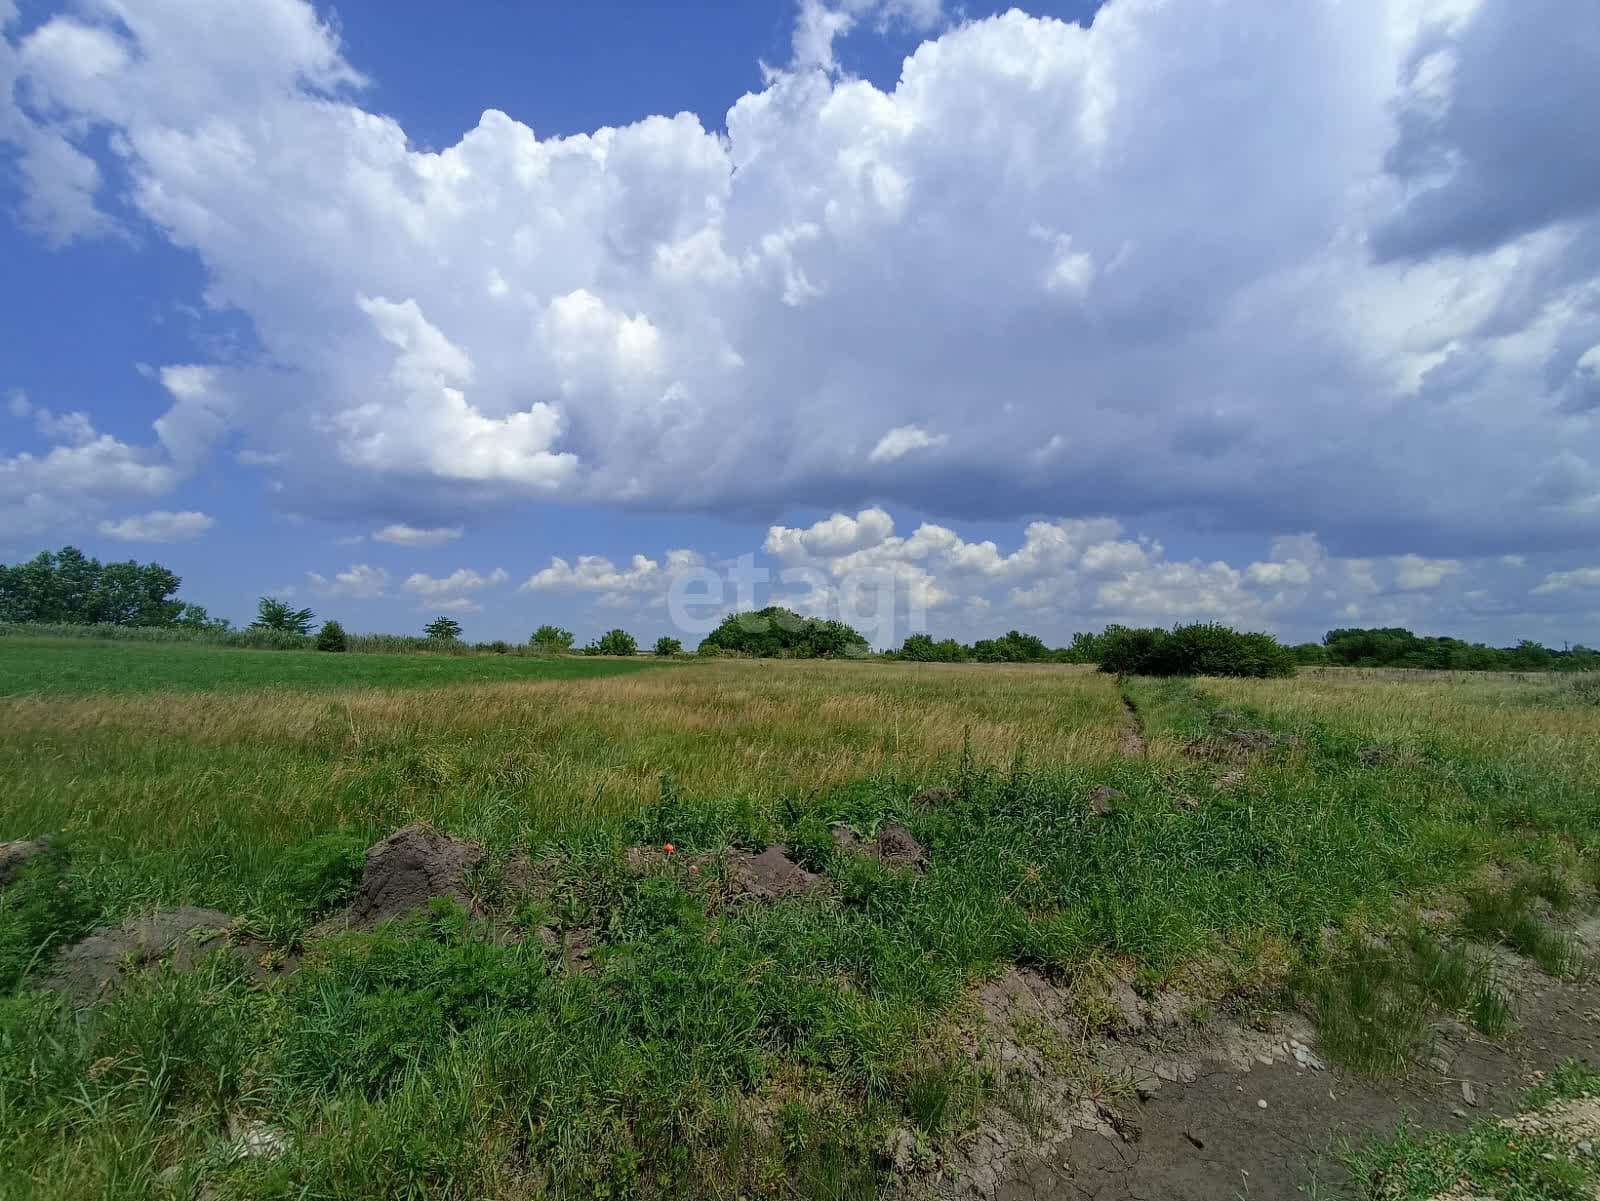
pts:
[717, 1050]
[1510, 1163]
[79, 668]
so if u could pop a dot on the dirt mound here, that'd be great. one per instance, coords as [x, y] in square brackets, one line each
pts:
[187, 934]
[409, 869]
[769, 876]
[1374, 754]
[934, 798]
[14, 856]
[1237, 746]
[894, 846]
[897, 848]
[1103, 800]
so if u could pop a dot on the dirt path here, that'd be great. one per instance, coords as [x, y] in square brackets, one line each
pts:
[1208, 1135]
[1133, 743]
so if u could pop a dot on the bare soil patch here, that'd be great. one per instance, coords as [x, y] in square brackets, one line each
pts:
[770, 876]
[1224, 1110]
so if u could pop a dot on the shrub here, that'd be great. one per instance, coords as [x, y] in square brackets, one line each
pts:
[1199, 649]
[667, 647]
[442, 629]
[332, 638]
[775, 632]
[613, 642]
[1310, 654]
[551, 638]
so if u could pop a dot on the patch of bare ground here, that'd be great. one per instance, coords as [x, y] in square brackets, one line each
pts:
[1167, 1107]
[1133, 741]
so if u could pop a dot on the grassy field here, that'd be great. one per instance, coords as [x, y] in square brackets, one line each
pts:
[716, 1050]
[62, 667]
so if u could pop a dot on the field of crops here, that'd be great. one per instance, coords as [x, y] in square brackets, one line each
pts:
[596, 1016]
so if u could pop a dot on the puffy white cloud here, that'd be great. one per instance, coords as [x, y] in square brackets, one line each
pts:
[461, 580]
[595, 573]
[1001, 248]
[1569, 581]
[360, 582]
[901, 441]
[1412, 572]
[400, 534]
[836, 535]
[70, 483]
[158, 526]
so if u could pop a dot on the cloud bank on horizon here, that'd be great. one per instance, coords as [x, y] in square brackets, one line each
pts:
[1326, 271]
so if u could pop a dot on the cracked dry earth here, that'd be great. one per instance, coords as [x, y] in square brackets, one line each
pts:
[1224, 1112]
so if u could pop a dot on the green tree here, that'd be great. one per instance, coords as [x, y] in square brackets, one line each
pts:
[776, 632]
[332, 638]
[613, 642]
[442, 629]
[69, 587]
[275, 614]
[667, 647]
[551, 638]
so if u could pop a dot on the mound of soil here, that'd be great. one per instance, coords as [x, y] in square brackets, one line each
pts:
[14, 856]
[769, 876]
[409, 869]
[1104, 800]
[894, 846]
[186, 934]
[933, 798]
[1373, 754]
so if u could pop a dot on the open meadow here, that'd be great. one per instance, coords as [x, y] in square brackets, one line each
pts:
[590, 1014]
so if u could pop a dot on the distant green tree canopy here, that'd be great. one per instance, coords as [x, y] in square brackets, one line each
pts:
[442, 629]
[70, 588]
[613, 642]
[667, 646]
[1198, 649]
[551, 638]
[779, 633]
[1394, 646]
[273, 613]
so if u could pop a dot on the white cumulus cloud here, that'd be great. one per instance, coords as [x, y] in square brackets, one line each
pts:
[158, 526]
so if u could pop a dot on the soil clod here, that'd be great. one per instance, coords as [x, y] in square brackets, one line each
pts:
[14, 856]
[1104, 800]
[894, 846]
[186, 934]
[769, 876]
[409, 869]
[1372, 753]
[934, 798]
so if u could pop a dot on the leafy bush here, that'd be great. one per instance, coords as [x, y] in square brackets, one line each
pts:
[613, 642]
[275, 614]
[1200, 649]
[666, 647]
[551, 638]
[921, 648]
[442, 629]
[332, 638]
[1310, 654]
[778, 633]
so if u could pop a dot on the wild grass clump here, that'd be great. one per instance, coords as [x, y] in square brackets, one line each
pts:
[1376, 1002]
[41, 910]
[1509, 916]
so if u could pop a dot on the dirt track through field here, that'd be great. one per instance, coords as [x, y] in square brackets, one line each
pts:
[1133, 742]
[1212, 1137]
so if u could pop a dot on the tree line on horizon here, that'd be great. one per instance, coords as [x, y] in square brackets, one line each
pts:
[70, 589]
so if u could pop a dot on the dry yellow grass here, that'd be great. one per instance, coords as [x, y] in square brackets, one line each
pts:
[540, 756]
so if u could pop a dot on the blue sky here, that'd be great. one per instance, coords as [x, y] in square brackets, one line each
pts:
[963, 319]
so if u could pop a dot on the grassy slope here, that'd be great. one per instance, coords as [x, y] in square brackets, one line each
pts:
[62, 667]
[717, 1052]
